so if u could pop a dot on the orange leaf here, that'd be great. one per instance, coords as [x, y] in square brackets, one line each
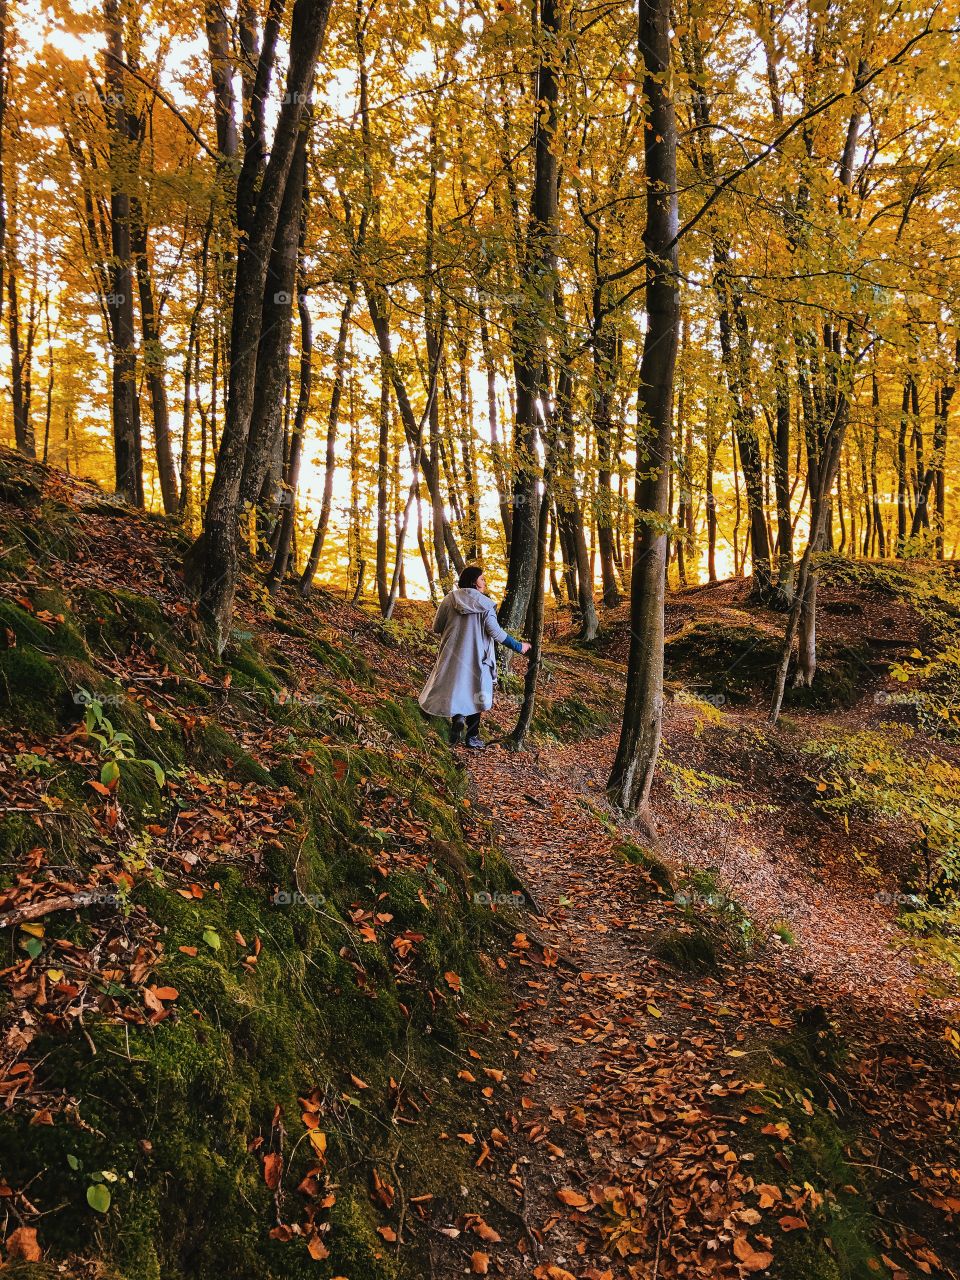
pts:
[479, 1263]
[22, 1243]
[572, 1199]
[749, 1257]
[272, 1169]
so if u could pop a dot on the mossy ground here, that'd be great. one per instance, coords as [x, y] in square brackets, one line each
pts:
[364, 827]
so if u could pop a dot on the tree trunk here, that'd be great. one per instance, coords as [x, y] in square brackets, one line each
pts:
[383, 489]
[154, 362]
[219, 571]
[531, 322]
[124, 403]
[281, 559]
[330, 456]
[21, 364]
[273, 354]
[632, 776]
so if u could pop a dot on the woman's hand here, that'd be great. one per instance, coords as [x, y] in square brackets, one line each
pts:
[525, 647]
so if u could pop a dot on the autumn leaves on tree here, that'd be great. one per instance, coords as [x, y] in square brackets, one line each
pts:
[612, 298]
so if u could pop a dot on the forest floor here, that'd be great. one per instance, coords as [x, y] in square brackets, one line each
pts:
[274, 1004]
[772, 1093]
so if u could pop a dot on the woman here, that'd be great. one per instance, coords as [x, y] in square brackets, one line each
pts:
[461, 683]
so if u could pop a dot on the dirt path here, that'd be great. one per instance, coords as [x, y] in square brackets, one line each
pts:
[634, 1141]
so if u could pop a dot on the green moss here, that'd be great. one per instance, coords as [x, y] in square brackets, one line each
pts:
[32, 692]
[843, 1241]
[352, 665]
[404, 720]
[218, 748]
[691, 950]
[572, 719]
[738, 661]
[655, 868]
[249, 670]
[176, 1108]
[355, 1247]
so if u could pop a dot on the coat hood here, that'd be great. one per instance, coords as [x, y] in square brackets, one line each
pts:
[469, 600]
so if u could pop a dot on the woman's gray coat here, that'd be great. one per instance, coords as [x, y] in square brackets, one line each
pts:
[461, 682]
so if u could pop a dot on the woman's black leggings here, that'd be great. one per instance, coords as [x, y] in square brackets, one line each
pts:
[472, 723]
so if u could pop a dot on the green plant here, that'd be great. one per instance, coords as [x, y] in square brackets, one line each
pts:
[114, 744]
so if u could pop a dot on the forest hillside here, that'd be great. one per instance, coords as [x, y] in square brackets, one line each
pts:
[290, 988]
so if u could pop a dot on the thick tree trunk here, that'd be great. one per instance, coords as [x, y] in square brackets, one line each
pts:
[273, 354]
[266, 190]
[531, 323]
[632, 775]
[124, 402]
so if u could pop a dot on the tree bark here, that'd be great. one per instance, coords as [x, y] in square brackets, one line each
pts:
[281, 559]
[632, 776]
[154, 362]
[330, 454]
[219, 571]
[531, 321]
[125, 405]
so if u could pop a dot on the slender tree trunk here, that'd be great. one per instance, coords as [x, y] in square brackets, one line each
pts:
[496, 447]
[383, 489]
[604, 343]
[930, 483]
[154, 362]
[21, 359]
[632, 776]
[902, 467]
[281, 559]
[330, 455]
[781, 479]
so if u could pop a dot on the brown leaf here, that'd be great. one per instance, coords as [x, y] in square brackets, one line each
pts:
[272, 1169]
[572, 1199]
[749, 1257]
[22, 1243]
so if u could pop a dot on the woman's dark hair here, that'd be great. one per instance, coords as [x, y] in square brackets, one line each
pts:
[470, 576]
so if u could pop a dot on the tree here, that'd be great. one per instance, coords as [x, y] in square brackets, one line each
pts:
[260, 196]
[632, 775]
